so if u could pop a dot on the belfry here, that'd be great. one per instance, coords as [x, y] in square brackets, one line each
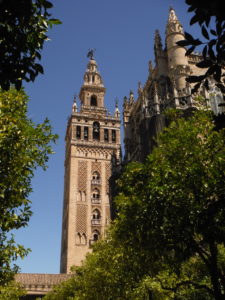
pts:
[92, 152]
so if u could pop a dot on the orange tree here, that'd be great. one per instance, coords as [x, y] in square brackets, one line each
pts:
[24, 146]
[173, 205]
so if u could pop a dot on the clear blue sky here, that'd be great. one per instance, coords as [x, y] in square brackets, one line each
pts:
[122, 32]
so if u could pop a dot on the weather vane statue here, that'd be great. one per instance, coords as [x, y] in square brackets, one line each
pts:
[91, 53]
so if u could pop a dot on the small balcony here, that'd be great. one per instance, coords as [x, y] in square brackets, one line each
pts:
[95, 200]
[96, 222]
[96, 181]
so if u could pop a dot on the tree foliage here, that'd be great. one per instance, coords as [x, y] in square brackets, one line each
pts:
[11, 291]
[107, 273]
[173, 205]
[167, 241]
[24, 146]
[210, 17]
[23, 31]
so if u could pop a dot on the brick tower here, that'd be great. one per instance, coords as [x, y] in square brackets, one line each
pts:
[92, 151]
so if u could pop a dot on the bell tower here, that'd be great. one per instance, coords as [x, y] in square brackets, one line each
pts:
[92, 153]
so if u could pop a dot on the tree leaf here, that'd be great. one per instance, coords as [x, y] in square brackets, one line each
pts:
[188, 36]
[190, 50]
[205, 32]
[204, 64]
[183, 43]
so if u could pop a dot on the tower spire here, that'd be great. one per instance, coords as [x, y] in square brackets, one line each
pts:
[173, 24]
[158, 40]
[172, 15]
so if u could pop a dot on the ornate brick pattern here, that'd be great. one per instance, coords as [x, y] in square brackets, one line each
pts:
[82, 175]
[107, 176]
[81, 220]
[96, 167]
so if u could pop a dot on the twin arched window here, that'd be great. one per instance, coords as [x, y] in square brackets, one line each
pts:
[96, 194]
[81, 239]
[95, 176]
[96, 214]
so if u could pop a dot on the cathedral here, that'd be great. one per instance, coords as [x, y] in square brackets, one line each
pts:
[93, 145]
[164, 88]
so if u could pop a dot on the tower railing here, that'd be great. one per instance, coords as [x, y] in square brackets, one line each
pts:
[96, 181]
[96, 200]
[96, 221]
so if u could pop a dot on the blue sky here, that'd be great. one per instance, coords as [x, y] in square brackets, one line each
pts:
[122, 32]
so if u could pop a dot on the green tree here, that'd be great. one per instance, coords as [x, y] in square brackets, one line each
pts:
[24, 146]
[167, 241]
[23, 31]
[173, 205]
[107, 273]
[11, 291]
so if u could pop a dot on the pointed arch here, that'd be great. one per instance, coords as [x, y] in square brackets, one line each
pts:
[83, 239]
[95, 235]
[78, 238]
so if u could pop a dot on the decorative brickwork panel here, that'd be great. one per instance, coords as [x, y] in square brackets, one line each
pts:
[82, 175]
[107, 176]
[96, 167]
[81, 221]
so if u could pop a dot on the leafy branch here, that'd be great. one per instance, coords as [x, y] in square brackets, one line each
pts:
[212, 24]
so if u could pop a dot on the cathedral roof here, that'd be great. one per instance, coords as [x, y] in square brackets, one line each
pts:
[40, 283]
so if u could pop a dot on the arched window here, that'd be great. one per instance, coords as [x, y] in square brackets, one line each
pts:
[86, 133]
[95, 176]
[78, 132]
[96, 131]
[93, 100]
[78, 238]
[106, 135]
[79, 196]
[83, 239]
[96, 214]
[95, 196]
[96, 217]
[83, 197]
[95, 235]
[113, 135]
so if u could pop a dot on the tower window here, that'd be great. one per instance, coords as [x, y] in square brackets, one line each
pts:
[95, 176]
[96, 217]
[93, 100]
[96, 131]
[96, 235]
[113, 135]
[95, 196]
[86, 133]
[93, 78]
[78, 132]
[106, 135]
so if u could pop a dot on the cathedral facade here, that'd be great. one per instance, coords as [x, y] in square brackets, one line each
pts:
[92, 153]
[164, 88]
